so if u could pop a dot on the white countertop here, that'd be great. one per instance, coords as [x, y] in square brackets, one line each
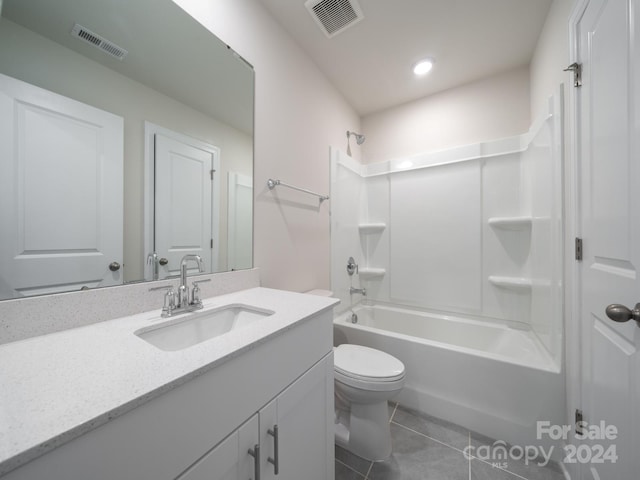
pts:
[55, 387]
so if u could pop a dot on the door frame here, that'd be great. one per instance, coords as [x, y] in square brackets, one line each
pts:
[150, 131]
[573, 229]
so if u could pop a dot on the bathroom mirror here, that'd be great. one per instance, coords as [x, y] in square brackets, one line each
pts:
[140, 86]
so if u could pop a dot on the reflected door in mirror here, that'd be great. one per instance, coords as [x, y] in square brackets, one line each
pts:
[60, 192]
[240, 221]
[185, 206]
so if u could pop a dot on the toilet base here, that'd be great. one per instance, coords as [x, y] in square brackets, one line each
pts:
[368, 434]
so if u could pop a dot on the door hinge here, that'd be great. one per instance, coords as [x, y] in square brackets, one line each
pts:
[578, 249]
[212, 172]
[576, 68]
[579, 422]
[211, 244]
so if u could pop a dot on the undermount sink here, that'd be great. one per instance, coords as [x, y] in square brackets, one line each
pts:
[192, 328]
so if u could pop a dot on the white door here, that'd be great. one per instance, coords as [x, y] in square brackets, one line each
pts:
[240, 222]
[183, 203]
[230, 459]
[303, 414]
[609, 113]
[61, 192]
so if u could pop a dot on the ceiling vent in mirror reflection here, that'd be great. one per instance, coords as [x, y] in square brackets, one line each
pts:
[97, 41]
[334, 16]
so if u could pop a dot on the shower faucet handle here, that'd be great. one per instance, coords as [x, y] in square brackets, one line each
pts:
[352, 266]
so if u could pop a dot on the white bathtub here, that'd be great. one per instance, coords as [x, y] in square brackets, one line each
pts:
[490, 378]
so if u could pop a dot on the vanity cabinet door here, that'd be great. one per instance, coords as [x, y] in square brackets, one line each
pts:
[229, 460]
[303, 413]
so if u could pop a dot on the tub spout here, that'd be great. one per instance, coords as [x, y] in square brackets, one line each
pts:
[362, 291]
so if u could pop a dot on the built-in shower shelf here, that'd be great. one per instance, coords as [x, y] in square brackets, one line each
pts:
[512, 283]
[367, 228]
[368, 273]
[511, 223]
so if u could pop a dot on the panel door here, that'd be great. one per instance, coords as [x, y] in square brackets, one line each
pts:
[61, 192]
[183, 203]
[303, 414]
[610, 217]
[230, 459]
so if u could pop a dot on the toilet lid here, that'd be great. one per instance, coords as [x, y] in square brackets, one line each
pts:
[357, 361]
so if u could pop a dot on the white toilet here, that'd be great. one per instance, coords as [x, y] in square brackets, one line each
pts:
[365, 379]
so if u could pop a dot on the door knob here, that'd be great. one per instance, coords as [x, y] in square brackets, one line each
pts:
[114, 266]
[620, 313]
[163, 261]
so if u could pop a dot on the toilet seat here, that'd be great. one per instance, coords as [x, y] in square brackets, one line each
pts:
[370, 385]
[367, 368]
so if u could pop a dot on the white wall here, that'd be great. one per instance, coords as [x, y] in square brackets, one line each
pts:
[298, 116]
[488, 109]
[551, 57]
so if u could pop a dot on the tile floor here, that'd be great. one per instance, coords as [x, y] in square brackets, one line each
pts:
[425, 447]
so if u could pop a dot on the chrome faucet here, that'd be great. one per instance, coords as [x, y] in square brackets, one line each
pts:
[183, 302]
[183, 289]
[362, 291]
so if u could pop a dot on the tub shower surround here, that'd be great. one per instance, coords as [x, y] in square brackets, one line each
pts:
[467, 243]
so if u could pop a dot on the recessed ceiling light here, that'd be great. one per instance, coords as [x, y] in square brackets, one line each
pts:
[423, 66]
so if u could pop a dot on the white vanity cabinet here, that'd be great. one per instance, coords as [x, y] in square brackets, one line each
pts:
[205, 427]
[228, 460]
[305, 439]
[290, 434]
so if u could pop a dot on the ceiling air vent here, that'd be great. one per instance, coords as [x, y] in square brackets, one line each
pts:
[97, 41]
[334, 16]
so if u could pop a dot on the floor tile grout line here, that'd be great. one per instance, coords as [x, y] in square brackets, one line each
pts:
[393, 414]
[471, 457]
[369, 471]
[352, 469]
[464, 452]
[430, 438]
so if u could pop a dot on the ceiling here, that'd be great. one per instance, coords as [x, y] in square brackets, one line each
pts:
[370, 63]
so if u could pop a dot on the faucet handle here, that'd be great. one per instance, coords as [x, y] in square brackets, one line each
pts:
[195, 295]
[169, 299]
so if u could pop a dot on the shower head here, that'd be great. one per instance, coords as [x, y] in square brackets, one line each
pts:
[359, 137]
